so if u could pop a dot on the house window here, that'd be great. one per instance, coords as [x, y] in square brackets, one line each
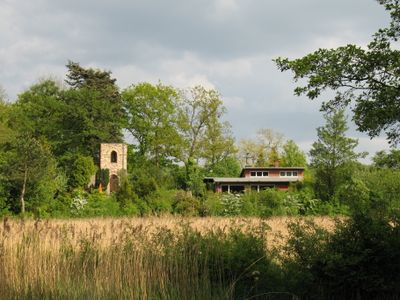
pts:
[114, 157]
[283, 173]
[295, 173]
[259, 173]
[288, 173]
[237, 188]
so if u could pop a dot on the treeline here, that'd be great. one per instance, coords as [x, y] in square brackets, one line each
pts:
[49, 151]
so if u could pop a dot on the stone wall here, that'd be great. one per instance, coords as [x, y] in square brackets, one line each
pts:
[106, 162]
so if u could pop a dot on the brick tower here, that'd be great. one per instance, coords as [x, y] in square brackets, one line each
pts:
[114, 158]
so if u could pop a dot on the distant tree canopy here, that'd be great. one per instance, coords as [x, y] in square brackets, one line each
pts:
[367, 80]
[270, 148]
[390, 160]
[50, 138]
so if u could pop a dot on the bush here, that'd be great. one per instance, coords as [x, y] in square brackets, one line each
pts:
[161, 201]
[232, 204]
[94, 204]
[211, 204]
[185, 204]
[272, 203]
[82, 170]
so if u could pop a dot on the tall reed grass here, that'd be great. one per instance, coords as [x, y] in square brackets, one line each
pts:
[166, 258]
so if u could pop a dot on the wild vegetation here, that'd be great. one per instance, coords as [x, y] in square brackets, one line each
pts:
[49, 150]
[203, 258]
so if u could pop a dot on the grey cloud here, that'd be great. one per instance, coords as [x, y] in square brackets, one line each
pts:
[228, 44]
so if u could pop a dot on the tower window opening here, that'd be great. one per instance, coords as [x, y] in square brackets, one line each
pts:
[114, 157]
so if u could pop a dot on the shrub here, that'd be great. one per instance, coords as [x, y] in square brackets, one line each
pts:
[185, 204]
[102, 177]
[231, 204]
[82, 170]
[211, 204]
[161, 201]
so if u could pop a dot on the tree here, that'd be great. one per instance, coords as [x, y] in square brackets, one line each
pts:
[332, 155]
[292, 156]
[369, 79]
[82, 169]
[197, 107]
[29, 161]
[38, 111]
[264, 150]
[5, 130]
[227, 167]
[200, 112]
[219, 143]
[103, 107]
[251, 153]
[389, 160]
[152, 118]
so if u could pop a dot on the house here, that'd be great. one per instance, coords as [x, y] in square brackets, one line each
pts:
[257, 179]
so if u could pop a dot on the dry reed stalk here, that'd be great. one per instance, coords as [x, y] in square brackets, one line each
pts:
[121, 254]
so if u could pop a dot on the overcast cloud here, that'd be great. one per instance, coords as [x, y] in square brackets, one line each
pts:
[224, 44]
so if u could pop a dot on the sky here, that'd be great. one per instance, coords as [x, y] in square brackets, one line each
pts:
[227, 45]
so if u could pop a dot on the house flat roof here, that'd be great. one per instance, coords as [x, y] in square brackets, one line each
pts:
[251, 179]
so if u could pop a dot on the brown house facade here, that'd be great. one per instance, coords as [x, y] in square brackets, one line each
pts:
[257, 179]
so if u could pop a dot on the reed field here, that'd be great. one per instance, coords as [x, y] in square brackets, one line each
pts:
[144, 258]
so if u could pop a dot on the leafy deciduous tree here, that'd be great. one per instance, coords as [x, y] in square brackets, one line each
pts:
[367, 78]
[263, 151]
[389, 160]
[29, 161]
[200, 112]
[292, 156]
[152, 119]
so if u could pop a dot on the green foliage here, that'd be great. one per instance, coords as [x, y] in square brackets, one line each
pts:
[367, 78]
[159, 202]
[227, 167]
[38, 112]
[389, 160]
[194, 178]
[94, 204]
[211, 204]
[83, 169]
[185, 204]
[333, 155]
[28, 163]
[292, 156]
[152, 120]
[102, 177]
[231, 204]
[263, 151]
[383, 186]
[358, 260]
[126, 197]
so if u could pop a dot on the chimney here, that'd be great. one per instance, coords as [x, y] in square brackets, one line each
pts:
[276, 163]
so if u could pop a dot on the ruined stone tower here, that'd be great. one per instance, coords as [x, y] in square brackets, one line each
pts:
[114, 158]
